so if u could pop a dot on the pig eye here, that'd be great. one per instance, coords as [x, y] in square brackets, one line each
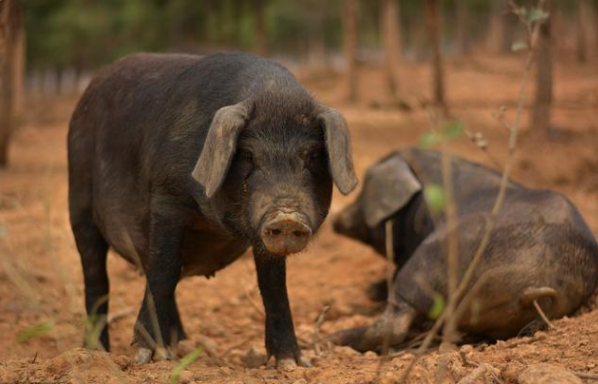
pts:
[245, 155]
[315, 155]
[313, 159]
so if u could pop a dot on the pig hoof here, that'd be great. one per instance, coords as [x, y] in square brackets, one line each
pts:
[286, 364]
[143, 356]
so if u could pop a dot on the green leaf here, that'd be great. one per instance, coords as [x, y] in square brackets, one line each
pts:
[429, 140]
[453, 130]
[184, 363]
[520, 11]
[34, 331]
[538, 15]
[437, 307]
[434, 195]
[519, 46]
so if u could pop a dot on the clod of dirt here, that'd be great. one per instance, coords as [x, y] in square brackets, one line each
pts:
[254, 358]
[547, 374]
[74, 366]
[123, 361]
[186, 377]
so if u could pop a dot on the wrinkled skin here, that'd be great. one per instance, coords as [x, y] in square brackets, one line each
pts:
[181, 163]
[540, 250]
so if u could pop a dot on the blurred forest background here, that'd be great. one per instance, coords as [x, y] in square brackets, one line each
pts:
[51, 47]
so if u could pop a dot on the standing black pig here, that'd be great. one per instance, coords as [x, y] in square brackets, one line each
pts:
[540, 249]
[180, 163]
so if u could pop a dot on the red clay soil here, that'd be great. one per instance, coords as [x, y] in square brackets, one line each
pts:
[41, 280]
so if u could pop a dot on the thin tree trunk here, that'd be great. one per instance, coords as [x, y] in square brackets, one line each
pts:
[543, 98]
[391, 36]
[19, 73]
[582, 28]
[11, 23]
[350, 46]
[462, 30]
[494, 31]
[261, 38]
[509, 26]
[433, 24]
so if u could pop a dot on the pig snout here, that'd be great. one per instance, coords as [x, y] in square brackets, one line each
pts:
[345, 222]
[285, 233]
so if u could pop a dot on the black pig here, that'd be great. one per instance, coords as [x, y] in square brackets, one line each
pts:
[180, 163]
[540, 249]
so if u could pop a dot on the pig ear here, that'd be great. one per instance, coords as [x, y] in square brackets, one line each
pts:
[219, 146]
[338, 145]
[388, 187]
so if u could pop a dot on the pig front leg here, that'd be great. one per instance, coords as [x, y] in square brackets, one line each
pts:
[158, 324]
[280, 334]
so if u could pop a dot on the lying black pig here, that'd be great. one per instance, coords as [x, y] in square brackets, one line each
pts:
[180, 163]
[540, 250]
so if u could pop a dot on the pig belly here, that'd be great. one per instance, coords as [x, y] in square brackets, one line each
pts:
[205, 253]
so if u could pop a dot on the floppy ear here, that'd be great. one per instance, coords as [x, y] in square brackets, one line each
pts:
[387, 188]
[220, 144]
[338, 145]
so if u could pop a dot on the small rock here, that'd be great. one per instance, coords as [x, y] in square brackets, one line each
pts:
[226, 370]
[547, 374]
[254, 358]
[467, 348]
[186, 377]
[207, 342]
[371, 355]
[346, 351]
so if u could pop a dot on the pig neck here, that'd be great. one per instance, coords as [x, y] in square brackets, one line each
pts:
[411, 225]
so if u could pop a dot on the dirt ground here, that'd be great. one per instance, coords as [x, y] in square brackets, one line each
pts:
[41, 280]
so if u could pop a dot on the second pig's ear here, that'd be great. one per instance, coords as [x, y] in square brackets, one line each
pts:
[219, 147]
[388, 187]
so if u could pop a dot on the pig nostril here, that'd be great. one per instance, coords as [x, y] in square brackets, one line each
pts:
[299, 233]
[274, 232]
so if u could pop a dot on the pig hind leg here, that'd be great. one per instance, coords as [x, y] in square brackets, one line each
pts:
[93, 250]
[391, 328]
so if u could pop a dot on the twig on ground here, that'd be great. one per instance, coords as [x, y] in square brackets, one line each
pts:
[543, 315]
[317, 327]
[466, 361]
[391, 299]
[115, 316]
[237, 346]
[479, 373]
[252, 302]
[530, 340]
[585, 375]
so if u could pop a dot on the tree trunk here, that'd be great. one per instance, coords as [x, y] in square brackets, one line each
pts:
[582, 28]
[391, 36]
[502, 27]
[462, 30]
[11, 40]
[261, 38]
[433, 26]
[543, 99]
[350, 46]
